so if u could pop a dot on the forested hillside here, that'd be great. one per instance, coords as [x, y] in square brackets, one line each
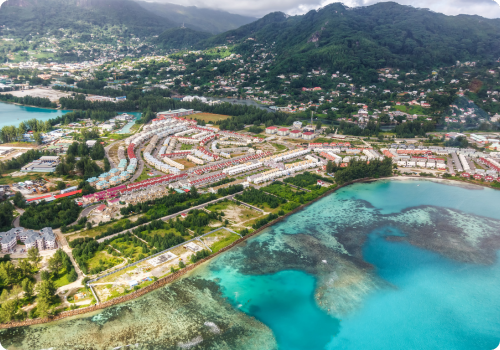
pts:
[200, 19]
[23, 17]
[363, 39]
[178, 38]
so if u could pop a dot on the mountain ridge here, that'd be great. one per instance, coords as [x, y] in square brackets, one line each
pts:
[367, 38]
[203, 19]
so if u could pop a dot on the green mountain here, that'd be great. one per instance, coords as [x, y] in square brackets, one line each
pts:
[29, 17]
[363, 39]
[201, 19]
[180, 38]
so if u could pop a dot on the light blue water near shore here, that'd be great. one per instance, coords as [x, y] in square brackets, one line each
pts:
[130, 124]
[392, 196]
[284, 302]
[430, 302]
[370, 267]
[11, 114]
[436, 303]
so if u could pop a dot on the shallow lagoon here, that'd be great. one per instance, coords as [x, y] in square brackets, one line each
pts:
[11, 114]
[385, 265]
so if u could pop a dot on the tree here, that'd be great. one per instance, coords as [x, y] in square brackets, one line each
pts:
[61, 185]
[4, 296]
[181, 265]
[72, 276]
[25, 267]
[16, 290]
[28, 287]
[43, 307]
[38, 138]
[34, 256]
[45, 275]
[8, 310]
[55, 263]
[107, 166]
[19, 200]
[8, 272]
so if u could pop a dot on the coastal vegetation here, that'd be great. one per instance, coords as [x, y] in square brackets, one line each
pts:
[19, 287]
[259, 198]
[52, 214]
[360, 170]
[28, 100]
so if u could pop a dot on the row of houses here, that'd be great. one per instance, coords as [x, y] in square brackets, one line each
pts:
[206, 180]
[288, 169]
[307, 135]
[226, 164]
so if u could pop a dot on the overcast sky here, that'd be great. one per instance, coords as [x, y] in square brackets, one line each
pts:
[259, 8]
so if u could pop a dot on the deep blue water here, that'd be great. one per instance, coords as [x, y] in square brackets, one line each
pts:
[430, 301]
[13, 114]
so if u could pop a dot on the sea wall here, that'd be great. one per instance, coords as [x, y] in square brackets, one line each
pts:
[168, 279]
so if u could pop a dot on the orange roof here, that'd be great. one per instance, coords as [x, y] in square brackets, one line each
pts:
[67, 194]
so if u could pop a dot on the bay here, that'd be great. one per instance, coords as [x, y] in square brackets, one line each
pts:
[384, 265]
[11, 114]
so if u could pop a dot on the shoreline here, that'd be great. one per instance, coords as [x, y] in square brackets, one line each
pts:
[21, 105]
[183, 272]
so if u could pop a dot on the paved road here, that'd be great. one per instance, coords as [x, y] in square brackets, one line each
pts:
[106, 151]
[16, 221]
[168, 217]
[84, 213]
[140, 164]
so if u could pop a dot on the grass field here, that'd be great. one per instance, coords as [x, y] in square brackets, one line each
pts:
[144, 175]
[412, 109]
[209, 117]
[8, 180]
[97, 230]
[223, 239]
[279, 147]
[115, 137]
[106, 259]
[186, 147]
[62, 281]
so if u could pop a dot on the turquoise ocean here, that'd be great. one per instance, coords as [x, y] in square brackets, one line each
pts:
[11, 114]
[392, 264]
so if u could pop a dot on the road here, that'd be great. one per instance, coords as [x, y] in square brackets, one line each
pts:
[140, 164]
[168, 217]
[106, 151]
[84, 213]
[16, 221]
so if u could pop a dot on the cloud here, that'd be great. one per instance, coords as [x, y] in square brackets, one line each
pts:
[258, 8]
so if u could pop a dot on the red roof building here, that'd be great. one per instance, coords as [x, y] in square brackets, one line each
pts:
[101, 208]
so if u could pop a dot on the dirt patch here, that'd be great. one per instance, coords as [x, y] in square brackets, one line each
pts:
[52, 95]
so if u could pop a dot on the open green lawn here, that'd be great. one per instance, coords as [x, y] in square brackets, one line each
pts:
[103, 258]
[62, 280]
[144, 175]
[128, 249]
[162, 232]
[9, 180]
[412, 109]
[185, 147]
[97, 230]
[224, 242]
[220, 206]
[116, 137]
[279, 147]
